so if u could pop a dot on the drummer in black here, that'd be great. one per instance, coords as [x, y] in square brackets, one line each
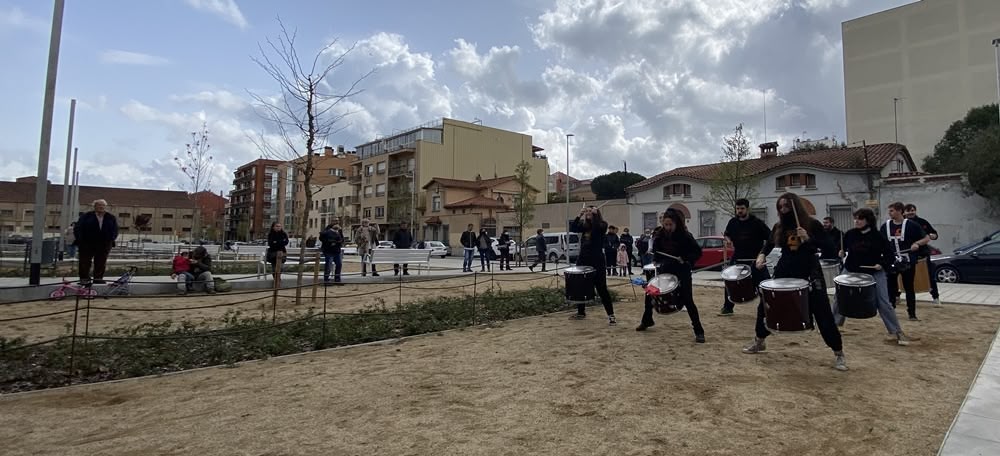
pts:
[747, 234]
[592, 229]
[905, 238]
[925, 251]
[799, 237]
[671, 240]
[868, 252]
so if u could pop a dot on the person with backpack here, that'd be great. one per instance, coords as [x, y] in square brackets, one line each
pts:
[332, 243]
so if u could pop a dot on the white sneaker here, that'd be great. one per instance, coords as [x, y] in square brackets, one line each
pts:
[612, 321]
[902, 339]
[840, 363]
[754, 347]
[937, 302]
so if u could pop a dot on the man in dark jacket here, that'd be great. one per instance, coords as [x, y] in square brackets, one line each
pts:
[332, 242]
[402, 240]
[468, 241]
[503, 244]
[836, 240]
[611, 250]
[642, 246]
[95, 232]
[910, 212]
[540, 249]
[201, 269]
[627, 241]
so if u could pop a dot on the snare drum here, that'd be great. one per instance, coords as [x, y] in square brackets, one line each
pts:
[856, 295]
[739, 283]
[662, 291]
[831, 269]
[649, 271]
[786, 304]
[580, 283]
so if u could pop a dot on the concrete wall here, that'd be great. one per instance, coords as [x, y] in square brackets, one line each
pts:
[959, 217]
[936, 55]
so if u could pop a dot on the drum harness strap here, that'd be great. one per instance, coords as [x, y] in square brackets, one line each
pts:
[896, 239]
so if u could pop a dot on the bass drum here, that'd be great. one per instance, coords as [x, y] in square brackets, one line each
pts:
[786, 304]
[662, 291]
[580, 283]
[856, 296]
[739, 283]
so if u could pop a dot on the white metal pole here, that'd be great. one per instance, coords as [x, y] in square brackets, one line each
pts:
[996, 46]
[42, 178]
[65, 219]
[74, 196]
[566, 181]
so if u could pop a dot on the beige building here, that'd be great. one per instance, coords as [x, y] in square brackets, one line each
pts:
[932, 61]
[454, 204]
[391, 168]
[332, 203]
[333, 166]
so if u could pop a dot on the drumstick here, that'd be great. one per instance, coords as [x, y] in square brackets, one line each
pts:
[870, 267]
[796, 214]
[669, 255]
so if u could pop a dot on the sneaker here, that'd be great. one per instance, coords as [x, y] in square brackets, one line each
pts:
[612, 321]
[699, 338]
[643, 326]
[374, 274]
[937, 302]
[531, 268]
[902, 339]
[754, 347]
[726, 312]
[577, 316]
[182, 293]
[100, 281]
[210, 291]
[914, 318]
[840, 363]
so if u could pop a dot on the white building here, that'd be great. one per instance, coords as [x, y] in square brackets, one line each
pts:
[831, 182]
[917, 68]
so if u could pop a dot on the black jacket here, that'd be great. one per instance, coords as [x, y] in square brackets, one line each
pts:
[748, 236]
[540, 246]
[591, 242]
[798, 260]
[643, 244]
[678, 244]
[276, 241]
[925, 250]
[202, 265]
[834, 240]
[504, 242]
[332, 241]
[867, 249]
[626, 239]
[90, 234]
[468, 239]
[402, 239]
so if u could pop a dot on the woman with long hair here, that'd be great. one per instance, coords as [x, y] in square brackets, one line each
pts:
[799, 237]
[277, 239]
[592, 229]
[675, 251]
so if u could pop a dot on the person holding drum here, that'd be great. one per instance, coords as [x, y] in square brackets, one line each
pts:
[924, 254]
[592, 229]
[676, 251]
[799, 237]
[868, 253]
[747, 234]
[906, 239]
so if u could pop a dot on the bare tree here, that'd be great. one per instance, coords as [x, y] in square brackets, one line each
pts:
[305, 113]
[196, 164]
[524, 201]
[735, 178]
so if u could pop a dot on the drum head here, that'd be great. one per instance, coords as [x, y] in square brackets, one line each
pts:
[572, 270]
[829, 263]
[736, 272]
[784, 284]
[649, 267]
[854, 279]
[662, 284]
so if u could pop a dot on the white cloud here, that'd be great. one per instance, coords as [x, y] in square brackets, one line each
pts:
[223, 99]
[14, 18]
[116, 56]
[228, 10]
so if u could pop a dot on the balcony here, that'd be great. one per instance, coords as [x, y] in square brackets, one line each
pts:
[354, 179]
[397, 171]
[400, 195]
[352, 200]
[402, 150]
[350, 220]
[379, 194]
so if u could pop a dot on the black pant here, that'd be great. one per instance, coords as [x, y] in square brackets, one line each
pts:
[911, 296]
[504, 258]
[395, 268]
[539, 259]
[759, 275]
[601, 285]
[686, 295]
[819, 310]
[931, 272]
[97, 254]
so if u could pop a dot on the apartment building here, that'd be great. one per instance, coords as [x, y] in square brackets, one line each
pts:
[391, 174]
[909, 72]
[333, 166]
[332, 203]
[253, 203]
[171, 213]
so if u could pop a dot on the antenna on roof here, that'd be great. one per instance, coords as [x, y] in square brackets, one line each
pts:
[765, 115]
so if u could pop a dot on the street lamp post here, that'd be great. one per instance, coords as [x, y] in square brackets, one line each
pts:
[895, 121]
[996, 46]
[566, 181]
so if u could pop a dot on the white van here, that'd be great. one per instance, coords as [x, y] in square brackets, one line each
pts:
[557, 245]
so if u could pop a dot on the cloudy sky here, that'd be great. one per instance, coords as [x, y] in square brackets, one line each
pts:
[656, 83]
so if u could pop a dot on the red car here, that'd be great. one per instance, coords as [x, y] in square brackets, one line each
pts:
[711, 252]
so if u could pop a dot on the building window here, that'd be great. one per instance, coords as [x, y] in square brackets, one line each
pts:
[186, 230]
[7, 213]
[810, 181]
[380, 167]
[187, 216]
[29, 212]
[368, 191]
[168, 216]
[546, 225]
[166, 229]
[367, 212]
[795, 180]
[676, 190]
[380, 212]
[145, 228]
[760, 213]
[707, 223]
[54, 212]
[436, 203]
[369, 169]
[380, 190]
[650, 220]
[29, 228]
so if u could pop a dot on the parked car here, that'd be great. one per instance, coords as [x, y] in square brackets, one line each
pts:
[17, 239]
[385, 245]
[437, 248]
[514, 250]
[711, 252]
[557, 244]
[994, 236]
[979, 263]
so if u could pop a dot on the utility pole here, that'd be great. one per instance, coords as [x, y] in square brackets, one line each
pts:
[42, 178]
[566, 182]
[64, 220]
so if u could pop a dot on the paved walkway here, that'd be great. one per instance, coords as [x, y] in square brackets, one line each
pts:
[976, 429]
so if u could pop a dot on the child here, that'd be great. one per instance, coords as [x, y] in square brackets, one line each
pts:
[622, 259]
[182, 271]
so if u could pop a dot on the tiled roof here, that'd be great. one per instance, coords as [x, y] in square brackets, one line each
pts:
[470, 184]
[477, 201]
[24, 192]
[851, 158]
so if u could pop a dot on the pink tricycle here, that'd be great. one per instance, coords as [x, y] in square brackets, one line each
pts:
[72, 288]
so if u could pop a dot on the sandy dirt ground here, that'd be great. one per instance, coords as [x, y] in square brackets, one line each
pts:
[541, 385]
[117, 312]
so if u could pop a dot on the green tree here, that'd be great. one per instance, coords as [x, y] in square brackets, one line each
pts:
[734, 180]
[524, 201]
[949, 153]
[612, 186]
[982, 164]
